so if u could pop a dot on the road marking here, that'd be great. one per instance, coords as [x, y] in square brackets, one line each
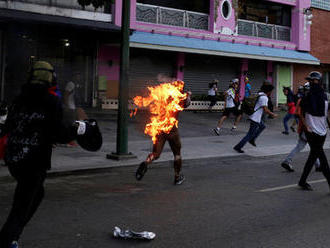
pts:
[289, 186]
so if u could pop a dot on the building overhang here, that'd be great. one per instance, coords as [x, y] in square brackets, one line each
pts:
[218, 48]
[24, 16]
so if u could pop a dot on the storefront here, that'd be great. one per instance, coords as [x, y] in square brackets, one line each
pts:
[72, 53]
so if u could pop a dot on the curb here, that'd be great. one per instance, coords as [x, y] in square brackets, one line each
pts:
[99, 170]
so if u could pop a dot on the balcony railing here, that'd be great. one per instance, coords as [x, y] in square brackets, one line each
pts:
[174, 17]
[264, 30]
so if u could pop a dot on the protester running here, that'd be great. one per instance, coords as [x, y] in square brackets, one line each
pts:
[231, 107]
[173, 139]
[256, 119]
[247, 87]
[212, 93]
[314, 120]
[302, 141]
[34, 125]
[291, 109]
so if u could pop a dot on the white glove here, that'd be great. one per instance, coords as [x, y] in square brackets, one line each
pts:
[81, 127]
[3, 119]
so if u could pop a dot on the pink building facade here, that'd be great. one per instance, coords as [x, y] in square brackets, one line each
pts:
[228, 39]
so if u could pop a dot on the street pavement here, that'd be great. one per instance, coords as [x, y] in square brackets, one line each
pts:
[236, 201]
[198, 141]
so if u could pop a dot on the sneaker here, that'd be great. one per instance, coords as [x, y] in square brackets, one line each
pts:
[287, 166]
[233, 128]
[179, 180]
[305, 186]
[14, 244]
[239, 150]
[285, 132]
[217, 131]
[143, 167]
[252, 142]
[293, 129]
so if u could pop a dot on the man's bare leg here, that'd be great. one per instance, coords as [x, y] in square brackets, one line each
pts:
[237, 120]
[220, 122]
[157, 150]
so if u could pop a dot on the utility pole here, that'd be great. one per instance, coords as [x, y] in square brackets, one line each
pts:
[122, 119]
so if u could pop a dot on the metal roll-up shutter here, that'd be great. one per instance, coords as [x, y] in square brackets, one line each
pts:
[200, 70]
[144, 67]
[257, 73]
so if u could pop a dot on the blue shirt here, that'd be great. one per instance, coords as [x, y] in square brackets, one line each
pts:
[247, 90]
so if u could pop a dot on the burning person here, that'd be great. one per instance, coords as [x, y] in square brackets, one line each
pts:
[164, 101]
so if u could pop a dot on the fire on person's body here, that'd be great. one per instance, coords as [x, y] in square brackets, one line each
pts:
[164, 101]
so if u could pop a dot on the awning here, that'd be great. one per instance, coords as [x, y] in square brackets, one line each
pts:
[212, 47]
[24, 17]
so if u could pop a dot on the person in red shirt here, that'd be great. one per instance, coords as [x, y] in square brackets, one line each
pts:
[291, 109]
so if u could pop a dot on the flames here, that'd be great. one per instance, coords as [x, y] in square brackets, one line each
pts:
[164, 101]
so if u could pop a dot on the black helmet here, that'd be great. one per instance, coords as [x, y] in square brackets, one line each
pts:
[314, 75]
[92, 139]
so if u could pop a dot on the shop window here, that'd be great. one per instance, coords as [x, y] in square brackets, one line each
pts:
[265, 12]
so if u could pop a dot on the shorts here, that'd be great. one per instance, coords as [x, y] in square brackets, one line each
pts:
[213, 100]
[232, 110]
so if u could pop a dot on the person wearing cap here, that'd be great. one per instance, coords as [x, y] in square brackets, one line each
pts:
[313, 116]
[33, 125]
[291, 109]
[256, 119]
[231, 106]
[247, 87]
[302, 141]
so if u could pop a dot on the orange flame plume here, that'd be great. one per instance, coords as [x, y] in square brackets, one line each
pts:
[164, 102]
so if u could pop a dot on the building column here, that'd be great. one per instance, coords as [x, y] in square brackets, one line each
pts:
[222, 24]
[180, 59]
[117, 12]
[212, 15]
[300, 29]
[244, 71]
[133, 14]
[270, 71]
[108, 71]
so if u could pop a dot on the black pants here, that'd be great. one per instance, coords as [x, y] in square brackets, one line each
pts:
[316, 143]
[28, 195]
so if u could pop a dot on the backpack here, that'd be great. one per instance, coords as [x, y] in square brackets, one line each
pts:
[249, 104]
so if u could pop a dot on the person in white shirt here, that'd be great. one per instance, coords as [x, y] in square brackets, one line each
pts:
[231, 107]
[256, 123]
[69, 101]
[212, 93]
[314, 120]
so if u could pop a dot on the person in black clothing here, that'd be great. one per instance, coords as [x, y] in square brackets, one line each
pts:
[314, 121]
[34, 125]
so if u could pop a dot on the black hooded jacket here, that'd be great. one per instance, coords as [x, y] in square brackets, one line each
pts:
[33, 125]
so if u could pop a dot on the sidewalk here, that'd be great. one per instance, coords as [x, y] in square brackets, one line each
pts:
[197, 137]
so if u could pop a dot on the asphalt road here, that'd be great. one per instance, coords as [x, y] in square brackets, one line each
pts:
[219, 205]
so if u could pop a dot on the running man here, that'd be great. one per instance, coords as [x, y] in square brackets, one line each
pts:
[174, 141]
[231, 107]
[314, 120]
[302, 140]
[256, 122]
